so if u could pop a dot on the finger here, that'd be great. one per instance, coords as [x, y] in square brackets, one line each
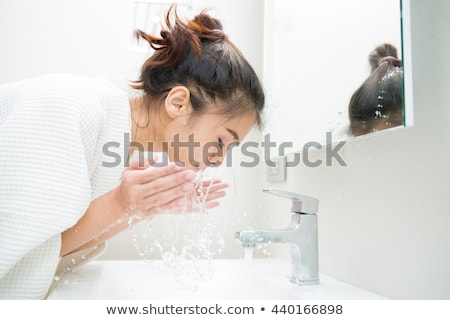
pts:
[166, 196]
[155, 172]
[213, 204]
[215, 195]
[213, 188]
[183, 179]
[174, 206]
[207, 183]
[217, 187]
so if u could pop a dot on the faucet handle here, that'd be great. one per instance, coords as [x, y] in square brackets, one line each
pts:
[300, 203]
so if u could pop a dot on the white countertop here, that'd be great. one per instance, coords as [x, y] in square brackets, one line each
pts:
[228, 279]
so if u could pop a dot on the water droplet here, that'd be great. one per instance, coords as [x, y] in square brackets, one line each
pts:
[57, 278]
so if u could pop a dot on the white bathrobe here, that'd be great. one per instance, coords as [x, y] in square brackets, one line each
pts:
[61, 137]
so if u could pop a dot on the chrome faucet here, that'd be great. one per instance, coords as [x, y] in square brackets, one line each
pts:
[302, 233]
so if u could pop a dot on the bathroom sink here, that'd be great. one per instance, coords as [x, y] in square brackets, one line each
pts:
[228, 279]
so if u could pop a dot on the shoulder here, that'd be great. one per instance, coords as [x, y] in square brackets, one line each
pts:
[62, 94]
[64, 98]
[48, 92]
[61, 88]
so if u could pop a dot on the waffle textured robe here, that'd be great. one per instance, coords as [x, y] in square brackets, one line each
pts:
[53, 130]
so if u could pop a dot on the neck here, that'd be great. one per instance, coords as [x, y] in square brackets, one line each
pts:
[145, 134]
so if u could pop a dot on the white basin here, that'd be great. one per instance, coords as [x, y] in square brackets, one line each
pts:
[229, 279]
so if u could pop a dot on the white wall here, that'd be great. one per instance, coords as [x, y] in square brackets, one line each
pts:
[384, 220]
[83, 37]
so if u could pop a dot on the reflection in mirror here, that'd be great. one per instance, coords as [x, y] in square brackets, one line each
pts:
[377, 104]
[329, 65]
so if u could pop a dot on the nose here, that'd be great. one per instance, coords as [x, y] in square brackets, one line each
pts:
[215, 161]
[215, 156]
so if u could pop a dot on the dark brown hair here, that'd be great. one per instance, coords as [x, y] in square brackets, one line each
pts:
[379, 98]
[198, 54]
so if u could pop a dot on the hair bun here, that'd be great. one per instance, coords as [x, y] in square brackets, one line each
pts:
[380, 52]
[208, 22]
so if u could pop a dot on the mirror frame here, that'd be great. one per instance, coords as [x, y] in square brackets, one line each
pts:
[408, 94]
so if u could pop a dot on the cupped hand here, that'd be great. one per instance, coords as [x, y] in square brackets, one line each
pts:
[147, 189]
[211, 190]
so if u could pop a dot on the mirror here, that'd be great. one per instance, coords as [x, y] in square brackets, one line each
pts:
[317, 56]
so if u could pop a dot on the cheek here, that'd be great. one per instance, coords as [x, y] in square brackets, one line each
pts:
[195, 148]
[210, 149]
[206, 150]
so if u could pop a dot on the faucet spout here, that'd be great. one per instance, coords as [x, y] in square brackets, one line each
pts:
[253, 237]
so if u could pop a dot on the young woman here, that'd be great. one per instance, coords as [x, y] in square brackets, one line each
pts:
[62, 195]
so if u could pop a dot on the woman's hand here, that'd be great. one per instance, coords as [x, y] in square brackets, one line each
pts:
[211, 190]
[204, 196]
[147, 190]
[143, 191]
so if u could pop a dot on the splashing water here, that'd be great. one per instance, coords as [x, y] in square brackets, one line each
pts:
[248, 253]
[192, 238]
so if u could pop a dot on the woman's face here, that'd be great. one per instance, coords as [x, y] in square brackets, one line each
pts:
[198, 141]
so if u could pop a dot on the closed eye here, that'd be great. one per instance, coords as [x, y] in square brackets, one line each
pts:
[221, 144]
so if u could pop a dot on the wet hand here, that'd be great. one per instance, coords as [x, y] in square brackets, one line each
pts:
[146, 190]
[211, 190]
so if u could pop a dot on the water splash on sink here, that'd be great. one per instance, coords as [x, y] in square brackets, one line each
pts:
[191, 238]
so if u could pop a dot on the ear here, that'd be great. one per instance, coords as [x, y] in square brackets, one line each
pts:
[178, 102]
